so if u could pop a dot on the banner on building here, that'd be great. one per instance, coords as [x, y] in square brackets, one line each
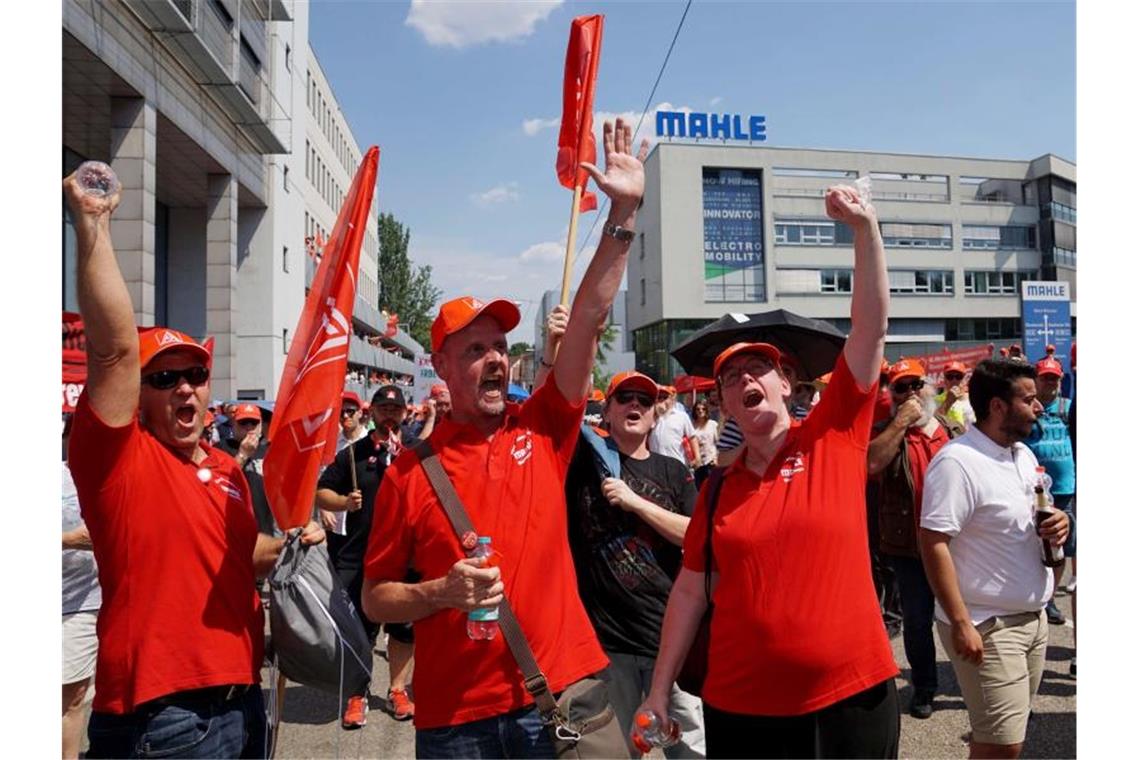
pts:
[936, 362]
[1046, 320]
[733, 235]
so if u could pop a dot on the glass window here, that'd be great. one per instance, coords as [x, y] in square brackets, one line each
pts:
[907, 235]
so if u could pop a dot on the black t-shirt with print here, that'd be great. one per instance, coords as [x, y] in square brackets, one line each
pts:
[625, 568]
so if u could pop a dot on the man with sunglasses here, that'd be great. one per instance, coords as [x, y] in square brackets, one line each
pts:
[508, 464]
[954, 401]
[352, 429]
[897, 457]
[625, 536]
[248, 448]
[181, 629]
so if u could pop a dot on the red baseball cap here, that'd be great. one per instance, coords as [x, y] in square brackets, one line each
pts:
[767, 349]
[460, 312]
[208, 419]
[955, 367]
[906, 368]
[1050, 366]
[157, 340]
[437, 390]
[597, 395]
[351, 397]
[247, 412]
[632, 381]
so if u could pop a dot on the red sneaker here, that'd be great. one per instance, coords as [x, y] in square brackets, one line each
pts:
[355, 713]
[403, 708]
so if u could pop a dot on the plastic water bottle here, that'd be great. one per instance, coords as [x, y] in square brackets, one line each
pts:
[648, 732]
[863, 187]
[96, 178]
[483, 622]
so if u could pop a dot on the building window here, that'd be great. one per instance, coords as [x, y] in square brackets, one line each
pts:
[835, 281]
[641, 245]
[993, 283]
[933, 282]
[906, 235]
[285, 259]
[813, 232]
[1064, 256]
[1061, 212]
[1003, 328]
[993, 238]
[285, 340]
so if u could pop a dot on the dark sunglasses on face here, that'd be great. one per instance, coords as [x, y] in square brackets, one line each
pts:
[953, 377]
[348, 411]
[624, 397]
[166, 379]
[913, 385]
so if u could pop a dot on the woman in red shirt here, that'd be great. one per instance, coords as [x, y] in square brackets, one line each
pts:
[799, 661]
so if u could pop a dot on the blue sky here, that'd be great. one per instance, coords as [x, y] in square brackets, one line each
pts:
[463, 100]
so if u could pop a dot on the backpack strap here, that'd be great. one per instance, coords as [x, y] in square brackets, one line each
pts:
[716, 480]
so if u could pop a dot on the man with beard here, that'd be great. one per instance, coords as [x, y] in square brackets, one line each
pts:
[898, 456]
[982, 552]
[625, 535]
[348, 486]
[181, 629]
[508, 464]
[352, 429]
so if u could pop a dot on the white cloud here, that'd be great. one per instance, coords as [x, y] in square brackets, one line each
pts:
[716, 100]
[474, 22]
[532, 127]
[504, 193]
[548, 251]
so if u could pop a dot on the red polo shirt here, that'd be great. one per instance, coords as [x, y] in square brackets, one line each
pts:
[920, 449]
[180, 610]
[796, 625]
[512, 486]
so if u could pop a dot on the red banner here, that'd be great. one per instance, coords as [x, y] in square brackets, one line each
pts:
[936, 363]
[304, 427]
[576, 142]
[74, 359]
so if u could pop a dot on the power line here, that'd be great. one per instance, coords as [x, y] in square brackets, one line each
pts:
[649, 100]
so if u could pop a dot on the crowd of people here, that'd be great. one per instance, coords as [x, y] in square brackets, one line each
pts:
[631, 530]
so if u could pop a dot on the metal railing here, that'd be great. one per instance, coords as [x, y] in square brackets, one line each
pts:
[249, 77]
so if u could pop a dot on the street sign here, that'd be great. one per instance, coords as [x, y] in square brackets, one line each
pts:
[1045, 319]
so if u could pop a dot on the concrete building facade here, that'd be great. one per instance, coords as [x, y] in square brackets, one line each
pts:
[205, 110]
[743, 229]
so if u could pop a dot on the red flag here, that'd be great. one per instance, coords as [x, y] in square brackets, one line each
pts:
[576, 141]
[304, 427]
[74, 359]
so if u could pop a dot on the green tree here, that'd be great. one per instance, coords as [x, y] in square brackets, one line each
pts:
[605, 345]
[405, 290]
[518, 349]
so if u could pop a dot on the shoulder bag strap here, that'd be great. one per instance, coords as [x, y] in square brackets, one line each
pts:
[716, 480]
[533, 678]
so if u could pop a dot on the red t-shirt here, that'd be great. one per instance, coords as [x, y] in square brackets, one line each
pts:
[512, 487]
[796, 625]
[920, 449]
[180, 609]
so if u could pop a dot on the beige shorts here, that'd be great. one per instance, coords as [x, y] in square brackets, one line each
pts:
[80, 645]
[998, 692]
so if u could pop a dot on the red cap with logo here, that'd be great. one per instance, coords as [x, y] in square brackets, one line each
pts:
[460, 312]
[765, 349]
[906, 368]
[1050, 366]
[632, 381]
[958, 367]
[247, 412]
[157, 340]
[350, 397]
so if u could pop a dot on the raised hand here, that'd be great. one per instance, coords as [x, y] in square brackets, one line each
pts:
[843, 205]
[624, 178]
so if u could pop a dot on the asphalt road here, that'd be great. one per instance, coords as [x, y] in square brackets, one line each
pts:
[311, 728]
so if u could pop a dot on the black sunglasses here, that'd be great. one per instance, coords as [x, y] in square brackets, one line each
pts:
[348, 411]
[953, 376]
[166, 379]
[624, 397]
[913, 385]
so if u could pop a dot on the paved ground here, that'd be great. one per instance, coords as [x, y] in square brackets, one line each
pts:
[310, 728]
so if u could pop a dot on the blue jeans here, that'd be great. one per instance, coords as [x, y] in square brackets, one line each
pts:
[191, 728]
[918, 622]
[515, 734]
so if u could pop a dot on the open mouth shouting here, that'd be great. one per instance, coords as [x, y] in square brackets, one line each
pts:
[752, 398]
[186, 415]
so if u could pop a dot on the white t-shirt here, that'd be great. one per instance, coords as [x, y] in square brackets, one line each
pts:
[706, 437]
[81, 591]
[665, 438]
[981, 494]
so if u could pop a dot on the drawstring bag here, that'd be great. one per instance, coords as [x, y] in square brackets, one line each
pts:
[316, 636]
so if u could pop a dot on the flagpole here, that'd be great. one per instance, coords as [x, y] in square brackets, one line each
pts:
[571, 241]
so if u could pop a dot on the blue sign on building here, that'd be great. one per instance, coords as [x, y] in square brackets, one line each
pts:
[734, 235]
[715, 126]
[1045, 320]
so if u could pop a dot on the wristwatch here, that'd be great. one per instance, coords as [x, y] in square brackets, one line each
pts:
[621, 233]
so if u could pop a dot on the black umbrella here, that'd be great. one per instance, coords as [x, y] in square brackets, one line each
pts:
[814, 343]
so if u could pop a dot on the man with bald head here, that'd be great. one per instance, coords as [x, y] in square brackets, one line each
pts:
[508, 463]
